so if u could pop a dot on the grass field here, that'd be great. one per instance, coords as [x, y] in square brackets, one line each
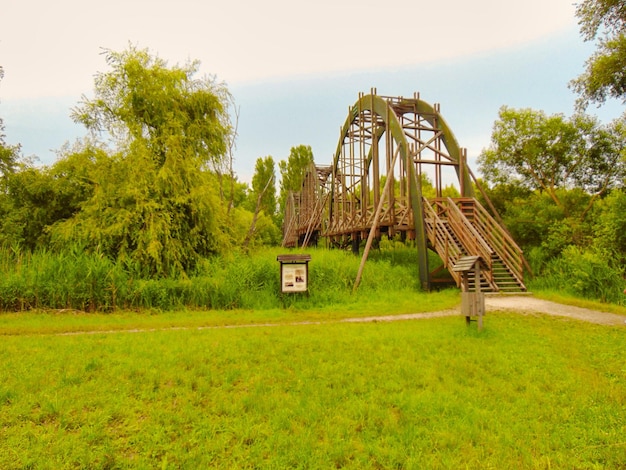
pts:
[526, 392]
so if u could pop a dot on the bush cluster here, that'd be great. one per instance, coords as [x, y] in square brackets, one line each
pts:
[586, 274]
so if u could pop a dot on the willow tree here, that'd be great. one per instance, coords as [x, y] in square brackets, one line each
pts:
[154, 203]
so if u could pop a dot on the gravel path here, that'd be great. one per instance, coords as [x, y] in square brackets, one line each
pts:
[529, 304]
[524, 303]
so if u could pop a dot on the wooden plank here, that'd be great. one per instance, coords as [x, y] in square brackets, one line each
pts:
[466, 263]
[293, 258]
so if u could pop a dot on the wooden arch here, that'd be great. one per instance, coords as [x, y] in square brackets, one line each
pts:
[379, 131]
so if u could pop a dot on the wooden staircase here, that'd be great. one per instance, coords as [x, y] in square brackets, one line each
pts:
[461, 227]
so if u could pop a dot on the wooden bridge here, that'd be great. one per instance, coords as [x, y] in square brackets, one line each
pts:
[388, 148]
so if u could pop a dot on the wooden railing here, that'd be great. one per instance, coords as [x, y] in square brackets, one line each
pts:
[494, 234]
[479, 234]
[442, 240]
[467, 238]
[471, 240]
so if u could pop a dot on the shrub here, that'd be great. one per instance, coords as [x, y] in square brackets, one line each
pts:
[584, 273]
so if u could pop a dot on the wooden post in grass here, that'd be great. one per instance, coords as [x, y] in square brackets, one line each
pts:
[472, 303]
[370, 238]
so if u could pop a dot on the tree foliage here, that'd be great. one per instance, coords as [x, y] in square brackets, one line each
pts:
[556, 182]
[293, 171]
[36, 198]
[154, 203]
[610, 227]
[9, 154]
[264, 191]
[263, 185]
[549, 153]
[143, 99]
[605, 71]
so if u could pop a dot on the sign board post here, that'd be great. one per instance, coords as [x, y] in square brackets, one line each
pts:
[294, 273]
[472, 303]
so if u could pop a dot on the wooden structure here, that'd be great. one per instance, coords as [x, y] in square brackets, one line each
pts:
[294, 273]
[472, 297]
[388, 147]
[304, 210]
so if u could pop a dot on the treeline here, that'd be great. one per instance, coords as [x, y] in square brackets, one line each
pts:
[558, 184]
[559, 181]
[147, 211]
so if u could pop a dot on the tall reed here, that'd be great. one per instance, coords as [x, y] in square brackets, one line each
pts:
[79, 280]
[584, 273]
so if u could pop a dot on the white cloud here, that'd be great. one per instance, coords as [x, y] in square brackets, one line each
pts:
[52, 48]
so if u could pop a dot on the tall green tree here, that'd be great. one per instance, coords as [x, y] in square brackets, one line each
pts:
[264, 191]
[34, 199]
[264, 185]
[154, 204]
[293, 171]
[9, 154]
[11, 224]
[175, 115]
[610, 227]
[548, 153]
[605, 71]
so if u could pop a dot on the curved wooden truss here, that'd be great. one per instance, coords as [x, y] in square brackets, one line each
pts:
[377, 129]
[387, 146]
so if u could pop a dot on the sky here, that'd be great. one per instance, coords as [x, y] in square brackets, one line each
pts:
[295, 67]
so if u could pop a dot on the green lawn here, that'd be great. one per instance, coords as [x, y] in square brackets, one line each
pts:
[393, 301]
[526, 392]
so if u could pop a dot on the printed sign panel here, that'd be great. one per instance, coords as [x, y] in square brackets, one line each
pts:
[294, 278]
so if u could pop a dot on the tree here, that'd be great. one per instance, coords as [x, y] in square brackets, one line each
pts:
[154, 204]
[9, 154]
[549, 153]
[293, 171]
[231, 149]
[610, 229]
[173, 114]
[263, 185]
[605, 73]
[11, 224]
[265, 191]
[35, 198]
[237, 192]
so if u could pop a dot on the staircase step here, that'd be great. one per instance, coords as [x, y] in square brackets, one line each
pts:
[472, 221]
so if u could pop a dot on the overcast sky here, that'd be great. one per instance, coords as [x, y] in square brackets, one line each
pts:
[295, 67]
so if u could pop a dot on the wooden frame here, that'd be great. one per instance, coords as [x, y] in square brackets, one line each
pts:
[294, 273]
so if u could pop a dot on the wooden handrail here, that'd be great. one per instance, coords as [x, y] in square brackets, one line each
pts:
[441, 240]
[477, 233]
[471, 239]
[505, 247]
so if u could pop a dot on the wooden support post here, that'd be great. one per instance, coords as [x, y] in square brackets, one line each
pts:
[356, 242]
[370, 238]
[479, 297]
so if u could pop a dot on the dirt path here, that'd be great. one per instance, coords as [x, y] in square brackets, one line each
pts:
[524, 304]
[529, 304]
[518, 303]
